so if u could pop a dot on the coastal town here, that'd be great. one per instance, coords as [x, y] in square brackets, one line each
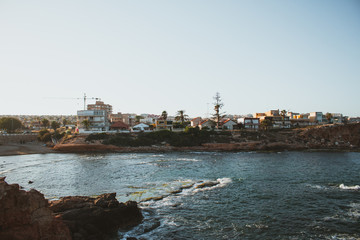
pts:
[99, 117]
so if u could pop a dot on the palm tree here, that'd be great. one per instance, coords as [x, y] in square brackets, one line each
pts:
[86, 124]
[328, 116]
[45, 122]
[283, 113]
[217, 106]
[181, 116]
[164, 115]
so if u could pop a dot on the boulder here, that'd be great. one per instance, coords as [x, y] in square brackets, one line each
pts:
[96, 218]
[26, 215]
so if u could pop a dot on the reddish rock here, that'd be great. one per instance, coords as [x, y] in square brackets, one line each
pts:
[26, 215]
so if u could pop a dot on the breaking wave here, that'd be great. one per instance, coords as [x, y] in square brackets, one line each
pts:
[342, 186]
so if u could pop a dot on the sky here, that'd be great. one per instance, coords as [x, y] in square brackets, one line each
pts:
[150, 56]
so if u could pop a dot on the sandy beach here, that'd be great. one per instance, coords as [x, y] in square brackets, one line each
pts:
[9, 149]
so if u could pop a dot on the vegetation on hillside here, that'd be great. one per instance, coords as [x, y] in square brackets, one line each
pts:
[10, 124]
[189, 137]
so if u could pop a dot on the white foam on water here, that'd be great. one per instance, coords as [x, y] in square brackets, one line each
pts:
[354, 210]
[221, 182]
[342, 186]
[315, 186]
[188, 159]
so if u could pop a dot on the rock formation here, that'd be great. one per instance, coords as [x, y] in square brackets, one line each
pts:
[96, 218]
[26, 215]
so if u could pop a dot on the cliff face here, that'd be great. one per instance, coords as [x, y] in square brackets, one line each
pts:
[26, 215]
[332, 136]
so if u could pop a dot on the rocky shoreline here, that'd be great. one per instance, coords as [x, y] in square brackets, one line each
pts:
[321, 138]
[28, 215]
[208, 147]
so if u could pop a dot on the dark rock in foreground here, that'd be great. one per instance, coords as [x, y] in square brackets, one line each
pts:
[96, 218]
[28, 215]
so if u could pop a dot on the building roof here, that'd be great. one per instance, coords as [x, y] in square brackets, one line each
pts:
[119, 125]
[207, 120]
[141, 125]
[227, 121]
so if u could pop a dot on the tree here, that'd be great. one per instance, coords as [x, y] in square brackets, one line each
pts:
[328, 116]
[65, 122]
[10, 124]
[164, 115]
[45, 122]
[181, 116]
[138, 118]
[283, 113]
[266, 123]
[217, 107]
[55, 125]
[86, 124]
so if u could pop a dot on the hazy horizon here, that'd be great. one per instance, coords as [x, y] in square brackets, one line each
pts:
[150, 56]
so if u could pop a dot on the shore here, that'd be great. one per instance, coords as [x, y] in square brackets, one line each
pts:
[9, 149]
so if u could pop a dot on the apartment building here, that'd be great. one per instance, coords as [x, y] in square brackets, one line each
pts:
[96, 120]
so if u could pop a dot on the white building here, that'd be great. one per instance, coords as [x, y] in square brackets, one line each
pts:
[250, 123]
[316, 117]
[97, 120]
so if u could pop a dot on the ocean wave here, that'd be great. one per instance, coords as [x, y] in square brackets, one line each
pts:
[342, 186]
[210, 185]
[316, 186]
[188, 159]
[161, 191]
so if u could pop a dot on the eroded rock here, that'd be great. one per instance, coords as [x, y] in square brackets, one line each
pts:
[96, 218]
[26, 215]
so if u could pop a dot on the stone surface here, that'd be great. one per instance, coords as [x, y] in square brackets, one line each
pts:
[96, 218]
[26, 215]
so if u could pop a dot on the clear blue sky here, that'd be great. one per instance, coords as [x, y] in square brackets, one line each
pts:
[150, 56]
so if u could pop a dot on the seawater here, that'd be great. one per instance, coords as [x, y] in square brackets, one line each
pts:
[287, 195]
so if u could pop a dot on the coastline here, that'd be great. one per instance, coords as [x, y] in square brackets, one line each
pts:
[209, 147]
[11, 149]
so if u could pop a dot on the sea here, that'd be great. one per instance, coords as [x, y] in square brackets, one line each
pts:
[210, 195]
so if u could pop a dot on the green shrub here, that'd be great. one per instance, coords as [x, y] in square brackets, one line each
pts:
[97, 136]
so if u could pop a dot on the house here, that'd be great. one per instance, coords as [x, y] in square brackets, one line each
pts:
[278, 121]
[259, 115]
[354, 120]
[274, 113]
[250, 123]
[207, 124]
[119, 125]
[292, 115]
[317, 117]
[337, 118]
[228, 124]
[97, 120]
[195, 122]
[162, 124]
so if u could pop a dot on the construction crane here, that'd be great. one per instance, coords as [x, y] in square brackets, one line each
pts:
[83, 98]
[88, 98]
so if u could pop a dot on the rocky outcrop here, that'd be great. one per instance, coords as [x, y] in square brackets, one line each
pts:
[26, 215]
[96, 218]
